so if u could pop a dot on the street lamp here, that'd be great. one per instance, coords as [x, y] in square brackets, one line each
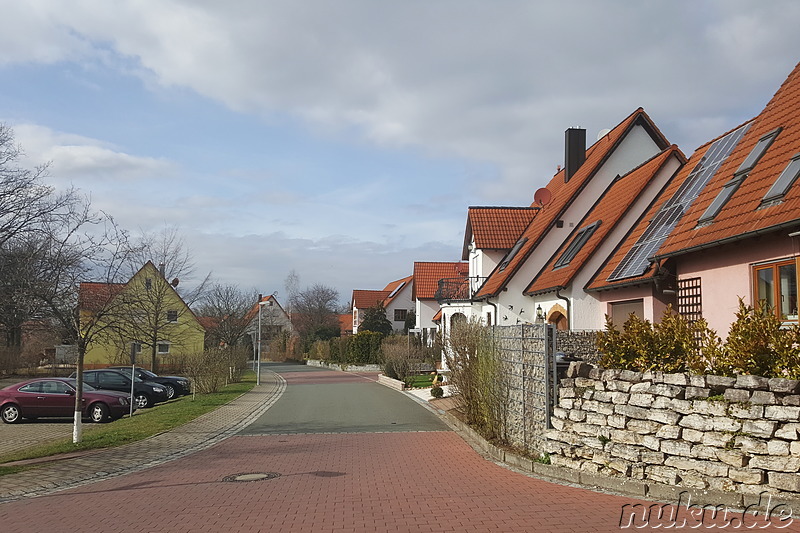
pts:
[261, 304]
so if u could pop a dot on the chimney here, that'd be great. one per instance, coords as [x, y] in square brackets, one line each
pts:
[161, 269]
[574, 151]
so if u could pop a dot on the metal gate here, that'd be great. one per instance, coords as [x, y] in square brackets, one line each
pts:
[527, 353]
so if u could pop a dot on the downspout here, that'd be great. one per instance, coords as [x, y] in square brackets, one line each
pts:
[495, 310]
[569, 308]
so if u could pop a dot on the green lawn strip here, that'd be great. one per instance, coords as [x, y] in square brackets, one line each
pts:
[144, 423]
[422, 380]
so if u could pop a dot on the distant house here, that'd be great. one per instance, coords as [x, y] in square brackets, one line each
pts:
[145, 316]
[427, 292]
[273, 319]
[725, 228]
[395, 299]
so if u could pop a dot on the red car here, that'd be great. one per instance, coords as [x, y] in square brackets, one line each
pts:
[56, 397]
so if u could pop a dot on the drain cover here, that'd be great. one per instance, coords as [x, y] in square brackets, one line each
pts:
[251, 476]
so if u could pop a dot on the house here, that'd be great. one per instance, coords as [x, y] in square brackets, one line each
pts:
[427, 293]
[145, 317]
[600, 193]
[395, 299]
[267, 312]
[725, 228]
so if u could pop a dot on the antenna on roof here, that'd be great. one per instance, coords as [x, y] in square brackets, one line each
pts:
[542, 196]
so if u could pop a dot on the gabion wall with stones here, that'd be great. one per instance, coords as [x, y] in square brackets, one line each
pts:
[523, 351]
[581, 344]
[706, 432]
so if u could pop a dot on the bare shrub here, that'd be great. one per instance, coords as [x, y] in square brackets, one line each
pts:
[402, 359]
[480, 378]
[208, 370]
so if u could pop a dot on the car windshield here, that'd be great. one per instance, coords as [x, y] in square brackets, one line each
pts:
[147, 373]
[86, 386]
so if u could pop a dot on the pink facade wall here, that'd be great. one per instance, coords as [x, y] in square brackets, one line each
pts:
[725, 273]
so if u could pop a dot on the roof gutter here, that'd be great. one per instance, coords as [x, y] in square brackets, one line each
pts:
[735, 238]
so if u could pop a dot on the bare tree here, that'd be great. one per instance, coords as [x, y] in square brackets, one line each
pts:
[314, 312]
[229, 306]
[167, 249]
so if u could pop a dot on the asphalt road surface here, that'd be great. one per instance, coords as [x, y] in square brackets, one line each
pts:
[336, 453]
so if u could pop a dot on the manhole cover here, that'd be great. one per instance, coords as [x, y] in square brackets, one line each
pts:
[251, 476]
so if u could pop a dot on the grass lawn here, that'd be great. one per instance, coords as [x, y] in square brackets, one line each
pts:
[144, 423]
[421, 380]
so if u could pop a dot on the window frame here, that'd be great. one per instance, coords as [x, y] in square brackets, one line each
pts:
[784, 182]
[403, 313]
[172, 313]
[774, 267]
[577, 244]
[511, 254]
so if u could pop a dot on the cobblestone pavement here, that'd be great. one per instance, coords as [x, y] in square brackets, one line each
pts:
[201, 433]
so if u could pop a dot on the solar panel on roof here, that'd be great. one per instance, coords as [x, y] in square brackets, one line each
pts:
[637, 260]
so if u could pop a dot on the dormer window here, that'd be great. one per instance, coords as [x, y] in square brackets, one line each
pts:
[784, 181]
[758, 150]
[576, 245]
[514, 251]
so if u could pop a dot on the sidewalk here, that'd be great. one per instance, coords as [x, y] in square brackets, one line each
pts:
[201, 433]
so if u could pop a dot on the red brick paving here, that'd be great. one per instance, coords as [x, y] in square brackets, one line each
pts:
[348, 482]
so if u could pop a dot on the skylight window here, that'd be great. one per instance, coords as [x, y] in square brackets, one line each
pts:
[722, 198]
[784, 181]
[397, 289]
[758, 150]
[576, 245]
[514, 251]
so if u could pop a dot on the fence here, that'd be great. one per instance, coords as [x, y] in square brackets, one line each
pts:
[527, 352]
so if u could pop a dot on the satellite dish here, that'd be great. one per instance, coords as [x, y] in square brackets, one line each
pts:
[542, 196]
[603, 133]
[175, 282]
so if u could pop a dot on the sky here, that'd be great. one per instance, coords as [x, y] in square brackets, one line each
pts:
[344, 140]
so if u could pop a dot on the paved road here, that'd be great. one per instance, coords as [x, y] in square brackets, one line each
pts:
[336, 452]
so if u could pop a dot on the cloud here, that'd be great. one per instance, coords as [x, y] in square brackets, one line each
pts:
[91, 162]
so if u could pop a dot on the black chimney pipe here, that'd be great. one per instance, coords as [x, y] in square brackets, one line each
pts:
[574, 151]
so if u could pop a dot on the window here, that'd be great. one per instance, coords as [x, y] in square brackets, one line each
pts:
[172, 316]
[400, 315]
[32, 387]
[514, 251]
[722, 198]
[784, 181]
[775, 287]
[576, 245]
[163, 347]
[148, 284]
[758, 151]
[113, 379]
[137, 347]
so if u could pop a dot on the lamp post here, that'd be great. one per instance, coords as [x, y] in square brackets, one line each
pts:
[258, 351]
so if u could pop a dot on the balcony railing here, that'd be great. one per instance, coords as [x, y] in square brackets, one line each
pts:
[458, 289]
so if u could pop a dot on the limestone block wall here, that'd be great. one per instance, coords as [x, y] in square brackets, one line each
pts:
[701, 432]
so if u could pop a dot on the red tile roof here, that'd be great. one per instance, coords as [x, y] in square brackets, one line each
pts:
[95, 296]
[428, 274]
[395, 287]
[562, 195]
[496, 228]
[346, 324]
[608, 211]
[253, 312]
[437, 317]
[365, 299]
[744, 215]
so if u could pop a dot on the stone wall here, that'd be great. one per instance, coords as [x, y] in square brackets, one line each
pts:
[700, 432]
[581, 344]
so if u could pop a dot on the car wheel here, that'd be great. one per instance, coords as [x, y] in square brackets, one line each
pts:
[98, 412]
[170, 391]
[10, 413]
[141, 400]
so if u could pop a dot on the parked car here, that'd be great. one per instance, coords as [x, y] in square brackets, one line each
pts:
[145, 393]
[47, 397]
[175, 385]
